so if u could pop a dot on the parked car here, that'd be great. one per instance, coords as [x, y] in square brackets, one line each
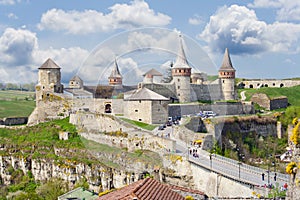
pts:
[209, 113]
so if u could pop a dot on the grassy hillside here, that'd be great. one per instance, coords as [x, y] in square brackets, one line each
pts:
[16, 95]
[293, 93]
[16, 103]
[40, 141]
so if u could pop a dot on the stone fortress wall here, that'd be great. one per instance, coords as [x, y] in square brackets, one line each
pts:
[220, 108]
[276, 83]
[206, 92]
[94, 126]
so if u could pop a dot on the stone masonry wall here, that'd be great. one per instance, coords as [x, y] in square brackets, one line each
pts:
[13, 121]
[221, 108]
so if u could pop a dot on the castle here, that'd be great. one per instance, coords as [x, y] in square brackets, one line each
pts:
[148, 101]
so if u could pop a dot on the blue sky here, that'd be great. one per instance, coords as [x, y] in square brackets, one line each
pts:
[84, 37]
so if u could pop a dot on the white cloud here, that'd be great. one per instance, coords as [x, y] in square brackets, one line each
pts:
[195, 20]
[9, 2]
[265, 4]
[122, 16]
[287, 9]
[12, 16]
[16, 46]
[237, 28]
[21, 56]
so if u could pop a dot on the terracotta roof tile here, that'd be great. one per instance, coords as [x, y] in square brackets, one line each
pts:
[146, 189]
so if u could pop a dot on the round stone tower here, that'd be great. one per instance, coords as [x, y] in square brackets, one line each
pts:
[227, 78]
[115, 78]
[181, 73]
[49, 80]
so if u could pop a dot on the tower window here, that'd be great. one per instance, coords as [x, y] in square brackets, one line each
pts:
[223, 81]
[140, 101]
[136, 110]
[178, 80]
[178, 87]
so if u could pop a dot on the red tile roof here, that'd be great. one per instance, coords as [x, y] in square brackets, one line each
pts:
[146, 189]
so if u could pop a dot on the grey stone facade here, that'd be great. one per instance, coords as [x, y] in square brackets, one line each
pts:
[270, 104]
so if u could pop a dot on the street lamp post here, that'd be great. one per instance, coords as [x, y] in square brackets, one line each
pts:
[268, 173]
[239, 163]
[210, 158]
[240, 158]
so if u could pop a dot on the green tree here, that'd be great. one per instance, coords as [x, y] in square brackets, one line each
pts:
[167, 78]
[290, 113]
[52, 189]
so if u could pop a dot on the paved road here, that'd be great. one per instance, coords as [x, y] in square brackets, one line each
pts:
[243, 96]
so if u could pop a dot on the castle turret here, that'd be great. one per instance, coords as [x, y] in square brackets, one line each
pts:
[76, 82]
[227, 77]
[115, 78]
[181, 73]
[49, 79]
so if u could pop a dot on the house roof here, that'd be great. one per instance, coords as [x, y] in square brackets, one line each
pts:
[226, 64]
[145, 94]
[153, 72]
[146, 189]
[181, 61]
[76, 92]
[79, 193]
[76, 78]
[49, 64]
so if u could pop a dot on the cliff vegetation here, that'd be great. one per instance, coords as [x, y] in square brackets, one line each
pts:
[33, 159]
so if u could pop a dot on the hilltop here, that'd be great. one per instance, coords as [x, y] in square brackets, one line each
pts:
[292, 93]
[14, 103]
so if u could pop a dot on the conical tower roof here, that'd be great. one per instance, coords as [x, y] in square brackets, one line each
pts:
[226, 64]
[75, 78]
[181, 61]
[49, 64]
[115, 73]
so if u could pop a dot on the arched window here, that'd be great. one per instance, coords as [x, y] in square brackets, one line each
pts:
[250, 86]
[107, 108]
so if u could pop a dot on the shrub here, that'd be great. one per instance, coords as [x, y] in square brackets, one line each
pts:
[189, 198]
[289, 168]
[295, 134]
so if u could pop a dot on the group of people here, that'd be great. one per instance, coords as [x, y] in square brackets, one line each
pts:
[194, 152]
[284, 187]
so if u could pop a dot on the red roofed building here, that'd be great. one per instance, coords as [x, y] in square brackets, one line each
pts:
[146, 189]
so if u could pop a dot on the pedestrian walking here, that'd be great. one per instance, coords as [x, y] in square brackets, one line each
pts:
[275, 176]
[263, 176]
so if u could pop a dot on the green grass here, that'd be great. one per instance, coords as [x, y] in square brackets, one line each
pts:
[39, 142]
[15, 103]
[16, 95]
[16, 108]
[139, 124]
[292, 93]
